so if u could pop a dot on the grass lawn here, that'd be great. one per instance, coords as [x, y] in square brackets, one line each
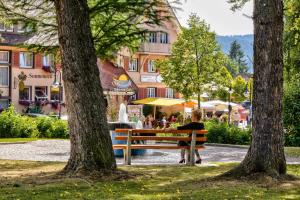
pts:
[13, 140]
[292, 151]
[38, 180]
[23, 140]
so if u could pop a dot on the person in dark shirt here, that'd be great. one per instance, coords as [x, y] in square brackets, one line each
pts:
[194, 125]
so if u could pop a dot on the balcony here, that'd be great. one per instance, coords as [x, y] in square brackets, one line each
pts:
[158, 48]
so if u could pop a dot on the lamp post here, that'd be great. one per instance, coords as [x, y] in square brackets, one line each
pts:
[229, 105]
[58, 84]
[248, 94]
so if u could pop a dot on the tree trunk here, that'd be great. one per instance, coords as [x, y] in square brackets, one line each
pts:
[266, 153]
[91, 146]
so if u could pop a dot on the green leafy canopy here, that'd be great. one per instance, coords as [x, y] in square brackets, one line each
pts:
[115, 23]
[196, 60]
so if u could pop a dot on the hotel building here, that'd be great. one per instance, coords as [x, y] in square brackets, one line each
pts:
[26, 77]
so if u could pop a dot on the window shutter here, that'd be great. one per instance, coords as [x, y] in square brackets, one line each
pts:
[126, 63]
[37, 61]
[15, 59]
[141, 93]
[146, 65]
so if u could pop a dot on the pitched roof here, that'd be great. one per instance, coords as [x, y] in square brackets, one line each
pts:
[13, 38]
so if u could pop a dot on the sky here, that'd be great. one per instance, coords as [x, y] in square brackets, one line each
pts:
[217, 13]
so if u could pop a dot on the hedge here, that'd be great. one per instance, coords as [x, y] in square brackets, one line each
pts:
[14, 125]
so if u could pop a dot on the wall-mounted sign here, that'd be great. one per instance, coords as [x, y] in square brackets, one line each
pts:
[159, 79]
[39, 76]
[151, 79]
[122, 82]
[148, 78]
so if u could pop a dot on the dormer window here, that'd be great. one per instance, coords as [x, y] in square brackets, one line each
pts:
[164, 38]
[2, 27]
[21, 27]
[9, 28]
[6, 27]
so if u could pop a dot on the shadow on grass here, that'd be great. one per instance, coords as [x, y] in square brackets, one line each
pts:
[41, 180]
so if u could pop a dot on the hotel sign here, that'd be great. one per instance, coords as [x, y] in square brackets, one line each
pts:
[39, 76]
[151, 78]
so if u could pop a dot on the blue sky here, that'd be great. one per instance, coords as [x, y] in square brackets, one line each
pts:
[217, 13]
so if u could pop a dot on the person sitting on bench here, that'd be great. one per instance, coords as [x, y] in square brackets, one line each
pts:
[194, 125]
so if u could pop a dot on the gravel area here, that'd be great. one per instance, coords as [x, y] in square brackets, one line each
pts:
[58, 150]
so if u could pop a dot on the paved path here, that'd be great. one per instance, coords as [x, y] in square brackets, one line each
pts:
[58, 150]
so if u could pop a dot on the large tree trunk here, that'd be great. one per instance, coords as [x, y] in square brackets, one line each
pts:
[91, 146]
[266, 153]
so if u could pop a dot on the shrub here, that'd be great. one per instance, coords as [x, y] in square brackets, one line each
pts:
[52, 127]
[225, 134]
[291, 111]
[44, 125]
[59, 129]
[13, 125]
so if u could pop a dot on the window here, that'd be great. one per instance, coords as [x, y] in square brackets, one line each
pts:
[151, 66]
[151, 92]
[21, 27]
[4, 104]
[6, 27]
[25, 94]
[4, 76]
[170, 93]
[133, 97]
[164, 38]
[9, 27]
[133, 65]
[26, 60]
[41, 93]
[2, 27]
[152, 37]
[120, 61]
[48, 60]
[4, 57]
[54, 95]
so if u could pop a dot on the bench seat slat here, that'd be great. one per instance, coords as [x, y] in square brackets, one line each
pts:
[137, 146]
[161, 138]
[151, 131]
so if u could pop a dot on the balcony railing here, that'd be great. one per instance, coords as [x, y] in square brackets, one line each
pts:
[155, 48]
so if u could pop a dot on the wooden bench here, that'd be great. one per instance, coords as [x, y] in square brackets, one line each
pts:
[134, 135]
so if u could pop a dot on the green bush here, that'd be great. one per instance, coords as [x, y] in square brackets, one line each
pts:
[59, 129]
[44, 125]
[291, 111]
[225, 134]
[13, 125]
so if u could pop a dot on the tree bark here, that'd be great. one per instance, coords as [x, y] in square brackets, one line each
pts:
[266, 153]
[91, 146]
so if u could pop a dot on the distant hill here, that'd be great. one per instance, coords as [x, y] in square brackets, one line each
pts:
[246, 41]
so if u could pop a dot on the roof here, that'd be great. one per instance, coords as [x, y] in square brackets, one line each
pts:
[111, 80]
[13, 38]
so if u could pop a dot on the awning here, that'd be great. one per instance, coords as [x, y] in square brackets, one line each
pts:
[165, 102]
[223, 106]
[205, 105]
